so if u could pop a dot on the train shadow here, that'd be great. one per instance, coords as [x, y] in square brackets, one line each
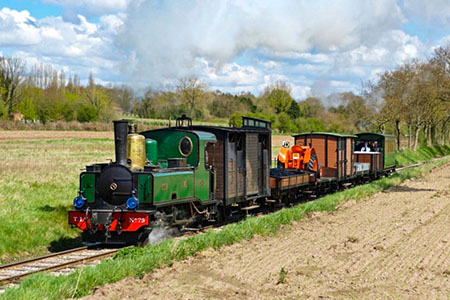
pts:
[409, 189]
[64, 243]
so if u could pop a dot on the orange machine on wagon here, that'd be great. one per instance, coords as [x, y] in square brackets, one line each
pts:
[297, 157]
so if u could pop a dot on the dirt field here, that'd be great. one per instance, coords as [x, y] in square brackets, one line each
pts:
[278, 139]
[392, 245]
[53, 135]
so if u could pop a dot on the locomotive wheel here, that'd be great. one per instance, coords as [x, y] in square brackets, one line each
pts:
[311, 162]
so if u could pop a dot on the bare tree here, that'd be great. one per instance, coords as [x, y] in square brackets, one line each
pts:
[441, 60]
[191, 90]
[12, 75]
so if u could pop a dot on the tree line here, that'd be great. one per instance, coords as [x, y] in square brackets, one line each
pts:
[414, 100]
[411, 101]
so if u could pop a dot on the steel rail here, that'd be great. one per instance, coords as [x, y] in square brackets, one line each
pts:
[57, 266]
[27, 261]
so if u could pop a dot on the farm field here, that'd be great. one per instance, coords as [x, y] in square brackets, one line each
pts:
[393, 245]
[39, 179]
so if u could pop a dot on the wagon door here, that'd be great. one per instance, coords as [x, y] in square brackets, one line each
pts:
[264, 183]
[253, 163]
[232, 171]
[349, 156]
[341, 157]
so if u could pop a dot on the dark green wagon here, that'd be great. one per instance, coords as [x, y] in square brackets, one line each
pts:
[377, 150]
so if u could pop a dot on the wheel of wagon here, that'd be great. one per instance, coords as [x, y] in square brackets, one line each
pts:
[311, 162]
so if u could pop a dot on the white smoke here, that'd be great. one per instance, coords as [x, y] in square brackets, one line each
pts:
[165, 40]
[159, 234]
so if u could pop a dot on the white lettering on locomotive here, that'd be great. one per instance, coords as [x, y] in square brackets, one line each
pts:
[78, 219]
[139, 220]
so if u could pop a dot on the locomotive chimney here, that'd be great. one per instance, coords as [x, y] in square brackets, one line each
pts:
[120, 141]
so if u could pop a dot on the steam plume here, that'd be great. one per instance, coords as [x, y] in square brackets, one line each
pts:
[166, 40]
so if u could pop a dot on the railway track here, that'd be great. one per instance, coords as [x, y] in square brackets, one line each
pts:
[63, 262]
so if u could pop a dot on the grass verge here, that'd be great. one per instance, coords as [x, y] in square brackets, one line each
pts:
[136, 262]
[422, 154]
[39, 179]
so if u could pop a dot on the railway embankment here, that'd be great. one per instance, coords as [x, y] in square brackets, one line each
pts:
[136, 262]
[392, 245]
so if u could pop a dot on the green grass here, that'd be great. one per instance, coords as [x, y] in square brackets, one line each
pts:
[136, 262]
[39, 179]
[422, 154]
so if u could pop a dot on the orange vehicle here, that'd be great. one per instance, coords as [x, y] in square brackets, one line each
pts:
[297, 157]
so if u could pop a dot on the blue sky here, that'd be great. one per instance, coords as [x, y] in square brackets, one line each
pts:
[318, 47]
[37, 8]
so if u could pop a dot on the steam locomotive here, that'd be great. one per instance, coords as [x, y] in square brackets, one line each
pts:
[188, 177]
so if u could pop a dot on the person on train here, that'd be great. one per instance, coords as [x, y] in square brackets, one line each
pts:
[283, 154]
[376, 147]
[366, 147]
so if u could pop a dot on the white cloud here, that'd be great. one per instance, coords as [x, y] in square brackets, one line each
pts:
[18, 28]
[166, 37]
[301, 92]
[436, 12]
[82, 47]
[442, 42]
[317, 47]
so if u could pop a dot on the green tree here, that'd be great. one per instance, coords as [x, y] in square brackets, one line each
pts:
[278, 96]
[3, 110]
[311, 107]
[97, 98]
[26, 107]
[310, 124]
[284, 123]
[279, 100]
[87, 113]
[235, 120]
[294, 110]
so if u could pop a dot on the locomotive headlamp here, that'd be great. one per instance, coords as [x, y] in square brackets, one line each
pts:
[132, 203]
[79, 201]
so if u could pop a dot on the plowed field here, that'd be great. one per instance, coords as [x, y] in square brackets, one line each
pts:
[53, 135]
[392, 245]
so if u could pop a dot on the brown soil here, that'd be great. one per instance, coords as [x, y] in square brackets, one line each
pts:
[53, 135]
[392, 245]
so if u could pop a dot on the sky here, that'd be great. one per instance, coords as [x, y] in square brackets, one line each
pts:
[318, 47]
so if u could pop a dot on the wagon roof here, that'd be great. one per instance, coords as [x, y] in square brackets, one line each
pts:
[326, 133]
[375, 134]
[230, 129]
